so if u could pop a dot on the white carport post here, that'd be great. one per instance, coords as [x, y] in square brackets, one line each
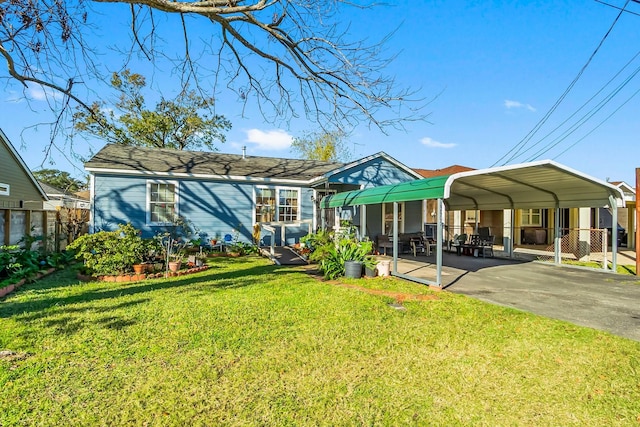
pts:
[613, 202]
[557, 240]
[439, 238]
[395, 237]
[513, 232]
[363, 221]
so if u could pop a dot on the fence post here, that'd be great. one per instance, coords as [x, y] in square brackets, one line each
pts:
[7, 226]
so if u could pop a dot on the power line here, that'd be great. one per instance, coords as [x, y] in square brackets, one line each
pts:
[586, 117]
[518, 147]
[599, 124]
[589, 114]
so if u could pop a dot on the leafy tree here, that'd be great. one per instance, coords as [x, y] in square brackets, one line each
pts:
[288, 57]
[322, 145]
[181, 124]
[59, 179]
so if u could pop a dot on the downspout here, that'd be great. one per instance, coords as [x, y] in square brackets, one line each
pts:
[92, 201]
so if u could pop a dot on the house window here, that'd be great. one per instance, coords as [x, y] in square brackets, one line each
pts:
[471, 215]
[531, 217]
[265, 204]
[387, 218]
[5, 189]
[288, 205]
[277, 204]
[163, 202]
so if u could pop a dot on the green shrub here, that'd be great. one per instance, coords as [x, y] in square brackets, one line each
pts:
[111, 252]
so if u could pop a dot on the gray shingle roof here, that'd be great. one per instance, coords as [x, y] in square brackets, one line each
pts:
[160, 160]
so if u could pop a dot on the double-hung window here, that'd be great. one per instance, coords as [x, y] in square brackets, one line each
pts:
[531, 217]
[277, 204]
[162, 201]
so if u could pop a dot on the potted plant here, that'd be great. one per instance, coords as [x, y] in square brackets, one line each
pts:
[347, 257]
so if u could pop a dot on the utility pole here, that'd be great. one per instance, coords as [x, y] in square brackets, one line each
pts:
[637, 221]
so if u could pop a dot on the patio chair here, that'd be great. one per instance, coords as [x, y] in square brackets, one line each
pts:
[227, 240]
[487, 245]
[383, 242]
[458, 241]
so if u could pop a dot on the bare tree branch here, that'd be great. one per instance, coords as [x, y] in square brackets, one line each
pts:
[279, 55]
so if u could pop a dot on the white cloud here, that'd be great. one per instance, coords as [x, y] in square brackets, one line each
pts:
[34, 93]
[269, 140]
[436, 144]
[515, 104]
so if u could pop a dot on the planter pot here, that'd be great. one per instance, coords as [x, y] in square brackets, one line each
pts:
[353, 269]
[174, 266]
[369, 272]
[384, 268]
[139, 268]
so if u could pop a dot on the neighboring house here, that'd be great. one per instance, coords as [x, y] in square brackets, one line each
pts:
[18, 188]
[533, 226]
[626, 216]
[59, 198]
[21, 197]
[219, 193]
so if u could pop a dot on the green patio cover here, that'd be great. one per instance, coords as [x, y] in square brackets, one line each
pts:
[422, 189]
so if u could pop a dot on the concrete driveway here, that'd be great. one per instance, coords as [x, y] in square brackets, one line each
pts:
[599, 300]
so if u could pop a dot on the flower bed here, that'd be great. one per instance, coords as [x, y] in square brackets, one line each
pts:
[142, 276]
[12, 287]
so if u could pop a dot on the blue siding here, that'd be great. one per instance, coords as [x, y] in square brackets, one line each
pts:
[214, 208]
[118, 200]
[373, 173]
[413, 216]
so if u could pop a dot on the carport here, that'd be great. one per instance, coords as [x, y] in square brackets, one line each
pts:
[541, 184]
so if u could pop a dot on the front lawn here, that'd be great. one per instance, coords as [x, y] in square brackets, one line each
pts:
[248, 343]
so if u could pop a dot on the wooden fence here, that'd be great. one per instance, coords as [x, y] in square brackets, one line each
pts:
[57, 227]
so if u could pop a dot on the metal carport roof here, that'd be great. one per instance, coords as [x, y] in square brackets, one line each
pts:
[541, 184]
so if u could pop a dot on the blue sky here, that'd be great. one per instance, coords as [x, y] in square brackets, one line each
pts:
[492, 70]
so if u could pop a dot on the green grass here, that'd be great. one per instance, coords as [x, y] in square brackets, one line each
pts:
[247, 343]
[621, 268]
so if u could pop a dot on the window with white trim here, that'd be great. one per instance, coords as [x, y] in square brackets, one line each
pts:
[162, 205]
[471, 215]
[277, 204]
[265, 204]
[5, 189]
[531, 217]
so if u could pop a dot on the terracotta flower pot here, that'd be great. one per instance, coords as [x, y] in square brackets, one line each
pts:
[139, 268]
[174, 266]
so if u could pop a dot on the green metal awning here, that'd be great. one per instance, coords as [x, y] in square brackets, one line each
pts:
[431, 188]
[541, 184]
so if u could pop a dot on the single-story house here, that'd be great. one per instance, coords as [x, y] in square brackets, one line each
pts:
[219, 193]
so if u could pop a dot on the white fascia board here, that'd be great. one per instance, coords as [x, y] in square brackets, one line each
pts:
[230, 178]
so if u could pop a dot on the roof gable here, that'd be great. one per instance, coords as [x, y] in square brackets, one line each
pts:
[449, 170]
[18, 175]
